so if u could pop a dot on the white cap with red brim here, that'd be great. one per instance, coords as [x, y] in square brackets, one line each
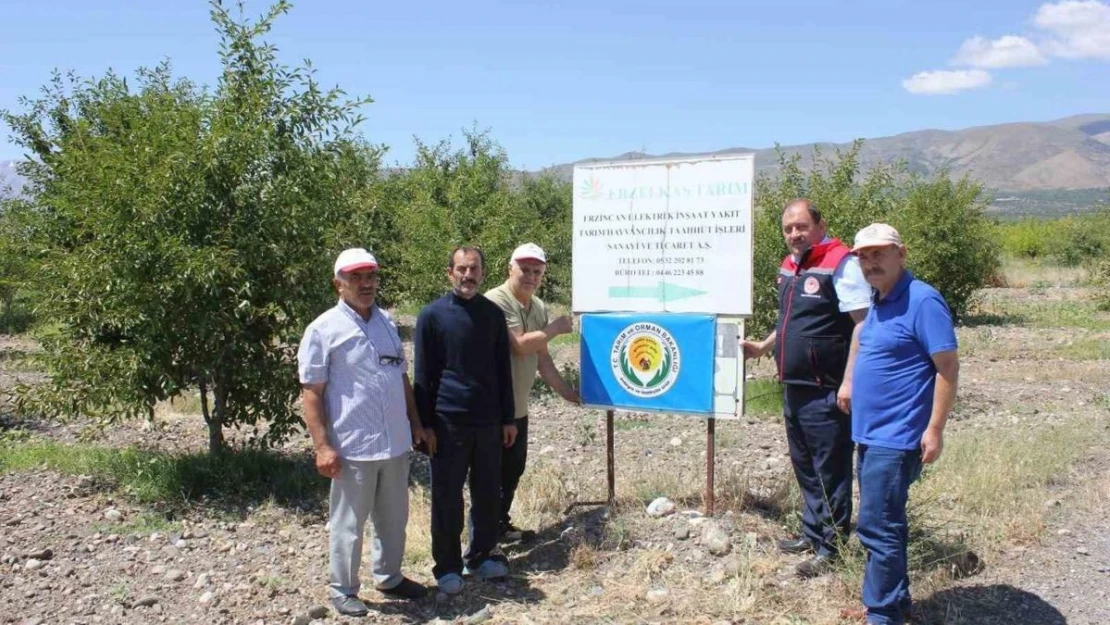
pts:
[354, 258]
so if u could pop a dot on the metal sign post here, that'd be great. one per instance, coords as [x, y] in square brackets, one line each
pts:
[710, 462]
[662, 273]
[610, 469]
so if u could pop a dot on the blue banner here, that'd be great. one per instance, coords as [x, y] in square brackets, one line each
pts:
[648, 361]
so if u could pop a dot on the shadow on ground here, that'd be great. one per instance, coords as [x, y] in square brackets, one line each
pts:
[477, 596]
[983, 319]
[998, 604]
[550, 551]
[553, 546]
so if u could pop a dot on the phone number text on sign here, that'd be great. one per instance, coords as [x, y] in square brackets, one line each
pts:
[664, 236]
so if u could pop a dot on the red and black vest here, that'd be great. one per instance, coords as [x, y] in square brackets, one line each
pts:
[812, 336]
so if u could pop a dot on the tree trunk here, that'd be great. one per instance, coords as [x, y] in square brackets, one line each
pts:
[214, 419]
[6, 324]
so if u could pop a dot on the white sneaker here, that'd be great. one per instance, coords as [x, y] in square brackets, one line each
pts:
[451, 583]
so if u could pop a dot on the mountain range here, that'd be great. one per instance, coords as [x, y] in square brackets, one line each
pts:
[1031, 167]
[1037, 167]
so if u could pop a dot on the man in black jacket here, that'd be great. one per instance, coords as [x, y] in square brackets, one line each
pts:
[464, 390]
[823, 296]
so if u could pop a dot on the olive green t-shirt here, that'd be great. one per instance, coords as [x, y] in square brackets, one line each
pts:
[528, 319]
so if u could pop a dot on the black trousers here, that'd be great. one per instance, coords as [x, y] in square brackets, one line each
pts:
[463, 451]
[513, 461]
[820, 440]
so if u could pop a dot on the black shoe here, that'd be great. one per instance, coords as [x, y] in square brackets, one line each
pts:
[816, 566]
[350, 605]
[798, 545]
[407, 589]
[512, 533]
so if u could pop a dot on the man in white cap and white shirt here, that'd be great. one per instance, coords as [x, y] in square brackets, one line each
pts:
[360, 411]
[529, 334]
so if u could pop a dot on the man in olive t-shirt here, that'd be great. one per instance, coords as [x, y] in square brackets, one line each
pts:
[529, 333]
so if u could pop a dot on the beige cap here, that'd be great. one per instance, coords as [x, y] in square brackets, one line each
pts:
[877, 235]
[529, 251]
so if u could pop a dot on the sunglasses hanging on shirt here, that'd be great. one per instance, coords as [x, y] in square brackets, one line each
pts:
[393, 361]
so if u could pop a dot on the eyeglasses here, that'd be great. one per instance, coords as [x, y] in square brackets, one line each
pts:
[394, 361]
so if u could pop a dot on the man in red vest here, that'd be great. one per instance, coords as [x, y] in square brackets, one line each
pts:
[823, 297]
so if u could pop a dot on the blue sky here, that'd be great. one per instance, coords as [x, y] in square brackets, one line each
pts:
[560, 81]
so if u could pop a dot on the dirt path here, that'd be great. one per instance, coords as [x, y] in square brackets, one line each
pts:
[1064, 581]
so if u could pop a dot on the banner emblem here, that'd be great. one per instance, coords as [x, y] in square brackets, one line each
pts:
[645, 359]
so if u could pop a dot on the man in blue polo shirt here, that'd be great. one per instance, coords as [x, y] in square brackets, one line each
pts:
[900, 386]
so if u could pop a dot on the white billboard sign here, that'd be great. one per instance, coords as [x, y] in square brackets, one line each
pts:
[664, 235]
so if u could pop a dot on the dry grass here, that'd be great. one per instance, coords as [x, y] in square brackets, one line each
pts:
[1021, 273]
[418, 538]
[995, 483]
[187, 404]
[1091, 347]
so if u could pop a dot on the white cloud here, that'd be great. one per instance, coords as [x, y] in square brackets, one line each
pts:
[1068, 29]
[1078, 29]
[946, 82]
[1006, 51]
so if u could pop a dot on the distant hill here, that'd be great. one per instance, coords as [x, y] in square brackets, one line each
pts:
[1027, 167]
[1032, 167]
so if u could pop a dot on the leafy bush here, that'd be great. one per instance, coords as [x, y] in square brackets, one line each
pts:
[1071, 240]
[16, 266]
[471, 196]
[951, 243]
[183, 236]
[1075, 240]
[1026, 238]
[1100, 277]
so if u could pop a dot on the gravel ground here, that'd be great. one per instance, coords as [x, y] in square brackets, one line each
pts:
[75, 552]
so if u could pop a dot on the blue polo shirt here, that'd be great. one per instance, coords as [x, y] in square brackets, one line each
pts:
[894, 375]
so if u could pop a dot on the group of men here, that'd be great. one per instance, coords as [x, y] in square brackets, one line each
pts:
[867, 356]
[866, 353]
[476, 358]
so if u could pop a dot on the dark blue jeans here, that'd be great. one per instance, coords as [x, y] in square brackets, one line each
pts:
[820, 439]
[885, 476]
[463, 451]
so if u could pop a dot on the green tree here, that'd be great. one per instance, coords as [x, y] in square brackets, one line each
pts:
[187, 236]
[549, 200]
[951, 243]
[454, 196]
[16, 264]
[847, 203]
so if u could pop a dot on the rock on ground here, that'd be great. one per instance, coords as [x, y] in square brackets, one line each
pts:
[660, 507]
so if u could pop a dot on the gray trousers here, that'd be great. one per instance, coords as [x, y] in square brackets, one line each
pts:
[378, 489]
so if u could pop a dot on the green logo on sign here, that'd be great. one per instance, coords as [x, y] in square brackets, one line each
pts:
[590, 189]
[646, 360]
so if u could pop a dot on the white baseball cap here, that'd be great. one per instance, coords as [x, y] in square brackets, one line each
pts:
[529, 251]
[354, 258]
[877, 235]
